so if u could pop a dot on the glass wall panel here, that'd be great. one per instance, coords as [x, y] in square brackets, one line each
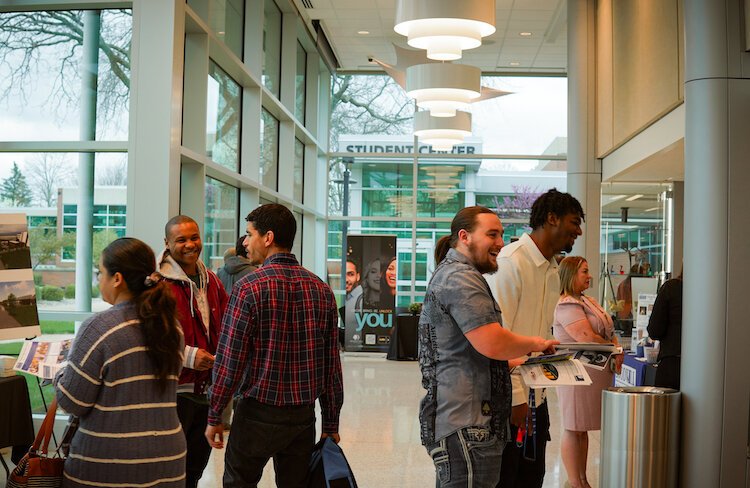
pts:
[532, 119]
[269, 150]
[368, 105]
[40, 78]
[44, 187]
[299, 170]
[300, 82]
[227, 22]
[271, 47]
[393, 187]
[223, 118]
[222, 219]
[376, 187]
[636, 223]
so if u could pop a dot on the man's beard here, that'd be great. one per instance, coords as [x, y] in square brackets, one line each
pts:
[485, 266]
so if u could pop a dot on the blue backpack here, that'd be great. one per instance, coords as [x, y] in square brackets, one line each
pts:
[329, 467]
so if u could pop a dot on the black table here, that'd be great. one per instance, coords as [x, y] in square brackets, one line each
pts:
[16, 426]
[404, 339]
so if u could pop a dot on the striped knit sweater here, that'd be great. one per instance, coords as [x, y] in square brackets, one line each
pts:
[129, 433]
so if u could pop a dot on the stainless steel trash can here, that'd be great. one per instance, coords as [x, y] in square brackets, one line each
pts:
[640, 437]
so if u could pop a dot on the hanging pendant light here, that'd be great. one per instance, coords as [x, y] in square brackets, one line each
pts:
[442, 133]
[445, 28]
[443, 88]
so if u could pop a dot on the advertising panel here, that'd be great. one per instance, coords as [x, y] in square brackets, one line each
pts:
[371, 274]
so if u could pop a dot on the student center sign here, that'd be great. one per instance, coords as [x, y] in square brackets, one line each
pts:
[398, 145]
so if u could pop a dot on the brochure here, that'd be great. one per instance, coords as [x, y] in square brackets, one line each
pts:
[43, 358]
[549, 358]
[587, 346]
[591, 354]
[562, 372]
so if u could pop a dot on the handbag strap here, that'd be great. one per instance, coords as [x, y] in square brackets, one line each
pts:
[41, 442]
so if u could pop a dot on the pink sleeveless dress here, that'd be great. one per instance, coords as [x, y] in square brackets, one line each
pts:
[581, 406]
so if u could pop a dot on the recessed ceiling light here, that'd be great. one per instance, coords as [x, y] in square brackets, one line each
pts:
[363, 32]
[221, 33]
[515, 63]
[524, 34]
[634, 197]
[651, 209]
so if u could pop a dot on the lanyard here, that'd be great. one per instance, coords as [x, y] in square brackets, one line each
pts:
[532, 413]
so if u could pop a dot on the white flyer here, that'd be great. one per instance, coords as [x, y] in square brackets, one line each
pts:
[569, 372]
[43, 358]
[643, 311]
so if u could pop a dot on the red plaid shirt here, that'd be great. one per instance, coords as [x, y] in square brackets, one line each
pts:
[279, 342]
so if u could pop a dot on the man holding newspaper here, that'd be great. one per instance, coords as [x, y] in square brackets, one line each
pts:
[527, 287]
[462, 355]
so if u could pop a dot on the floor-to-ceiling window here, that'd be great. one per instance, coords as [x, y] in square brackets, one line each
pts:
[394, 185]
[66, 154]
[63, 150]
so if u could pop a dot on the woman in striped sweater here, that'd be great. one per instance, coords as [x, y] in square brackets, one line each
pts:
[121, 380]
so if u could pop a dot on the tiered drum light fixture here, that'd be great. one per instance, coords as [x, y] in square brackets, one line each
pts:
[443, 88]
[444, 28]
[442, 132]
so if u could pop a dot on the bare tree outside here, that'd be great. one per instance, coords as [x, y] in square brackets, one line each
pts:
[364, 104]
[112, 174]
[46, 173]
[28, 40]
[368, 104]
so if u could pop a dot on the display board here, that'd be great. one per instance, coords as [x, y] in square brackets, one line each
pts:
[371, 275]
[19, 318]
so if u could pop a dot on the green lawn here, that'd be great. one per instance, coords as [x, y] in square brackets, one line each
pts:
[57, 327]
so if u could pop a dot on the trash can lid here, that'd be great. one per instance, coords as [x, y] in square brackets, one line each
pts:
[642, 390]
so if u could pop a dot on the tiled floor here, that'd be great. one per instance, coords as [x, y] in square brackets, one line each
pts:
[380, 430]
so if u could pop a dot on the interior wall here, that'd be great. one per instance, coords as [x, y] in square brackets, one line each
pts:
[640, 67]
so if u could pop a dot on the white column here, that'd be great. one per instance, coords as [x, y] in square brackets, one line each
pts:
[584, 170]
[157, 53]
[715, 336]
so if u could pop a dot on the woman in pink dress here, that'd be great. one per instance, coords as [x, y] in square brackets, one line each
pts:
[579, 318]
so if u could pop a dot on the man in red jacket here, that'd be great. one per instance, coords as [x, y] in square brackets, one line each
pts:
[201, 301]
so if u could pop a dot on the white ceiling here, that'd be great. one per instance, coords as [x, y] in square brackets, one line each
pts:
[544, 51]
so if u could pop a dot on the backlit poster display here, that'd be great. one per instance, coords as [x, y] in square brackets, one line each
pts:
[371, 273]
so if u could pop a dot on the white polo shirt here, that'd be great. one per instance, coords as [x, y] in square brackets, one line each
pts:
[527, 288]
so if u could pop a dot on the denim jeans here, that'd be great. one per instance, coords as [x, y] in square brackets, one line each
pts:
[468, 458]
[260, 432]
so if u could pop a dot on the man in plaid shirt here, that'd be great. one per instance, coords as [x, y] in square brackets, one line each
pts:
[278, 350]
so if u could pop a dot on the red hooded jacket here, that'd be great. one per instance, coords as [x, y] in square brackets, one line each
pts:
[192, 321]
